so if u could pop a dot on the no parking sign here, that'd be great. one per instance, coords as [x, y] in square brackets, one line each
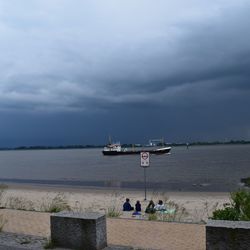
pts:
[144, 159]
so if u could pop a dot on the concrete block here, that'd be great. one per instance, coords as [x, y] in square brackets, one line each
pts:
[227, 235]
[86, 231]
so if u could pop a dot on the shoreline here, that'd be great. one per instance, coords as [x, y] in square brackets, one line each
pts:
[124, 185]
[80, 189]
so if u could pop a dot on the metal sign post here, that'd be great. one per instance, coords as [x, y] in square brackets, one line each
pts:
[145, 164]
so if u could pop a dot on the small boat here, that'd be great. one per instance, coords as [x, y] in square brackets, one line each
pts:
[116, 149]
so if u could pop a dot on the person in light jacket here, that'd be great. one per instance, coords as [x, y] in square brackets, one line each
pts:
[160, 206]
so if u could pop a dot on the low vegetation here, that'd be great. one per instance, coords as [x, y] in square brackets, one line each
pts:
[50, 204]
[114, 209]
[237, 209]
[202, 215]
[3, 221]
[3, 188]
[175, 212]
[152, 216]
[113, 212]
[56, 204]
[19, 203]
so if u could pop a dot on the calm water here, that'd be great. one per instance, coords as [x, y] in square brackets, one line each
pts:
[201, 168]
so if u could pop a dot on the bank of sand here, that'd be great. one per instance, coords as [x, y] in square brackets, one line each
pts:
[198, 205]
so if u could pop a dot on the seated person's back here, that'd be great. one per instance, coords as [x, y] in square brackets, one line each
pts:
[150, 207]
[127, 206]
[160, 206]
[138, 206]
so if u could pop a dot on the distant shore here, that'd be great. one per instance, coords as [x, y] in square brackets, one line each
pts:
[127, 145]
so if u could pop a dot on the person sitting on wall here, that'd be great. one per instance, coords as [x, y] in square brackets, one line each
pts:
[160, 206]
[127, 206]
[150, 209]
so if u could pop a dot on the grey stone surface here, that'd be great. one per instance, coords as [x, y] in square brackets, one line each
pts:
[21, 241]
[4, 247]
[120, 248]
[79, 230]
[228, 235]
[78, 215]
[13, 241]
[229, 224]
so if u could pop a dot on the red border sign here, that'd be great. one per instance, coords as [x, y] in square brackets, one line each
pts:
[144, 159]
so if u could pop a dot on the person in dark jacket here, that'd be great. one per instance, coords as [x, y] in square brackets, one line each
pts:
[127, 206]
[150, 208]
[138, 206]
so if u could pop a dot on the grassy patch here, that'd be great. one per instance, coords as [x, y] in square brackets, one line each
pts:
[238, 209]
[175, 212]
[3, 188]
[152, 217]
[56, 204]
[18, 203]
[113, 211]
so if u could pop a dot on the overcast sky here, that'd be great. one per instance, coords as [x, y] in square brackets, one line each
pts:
[75, 72]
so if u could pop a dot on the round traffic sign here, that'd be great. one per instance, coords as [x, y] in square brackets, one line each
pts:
[144, 156]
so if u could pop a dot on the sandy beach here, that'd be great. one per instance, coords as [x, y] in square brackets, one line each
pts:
[195, 207]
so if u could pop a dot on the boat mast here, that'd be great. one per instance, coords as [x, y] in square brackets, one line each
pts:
[110, 141]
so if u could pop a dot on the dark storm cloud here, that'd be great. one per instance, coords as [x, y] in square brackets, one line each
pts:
[126, 57]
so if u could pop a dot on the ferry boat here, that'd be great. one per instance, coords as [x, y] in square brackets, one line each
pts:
[116, 149]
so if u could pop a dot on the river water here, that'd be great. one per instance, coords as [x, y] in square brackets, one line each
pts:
[199, 168]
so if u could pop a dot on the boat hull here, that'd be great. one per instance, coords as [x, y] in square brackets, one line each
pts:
[136, 152]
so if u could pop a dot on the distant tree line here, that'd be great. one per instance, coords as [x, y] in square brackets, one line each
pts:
[198, 143]
[51, 147]
[219, 142]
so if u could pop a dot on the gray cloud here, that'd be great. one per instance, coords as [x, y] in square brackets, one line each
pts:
[130, 57]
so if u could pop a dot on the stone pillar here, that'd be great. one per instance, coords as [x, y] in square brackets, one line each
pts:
[79, 230]
[228, 235]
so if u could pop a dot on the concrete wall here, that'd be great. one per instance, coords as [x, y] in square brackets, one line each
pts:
[229, 235]
[79, 230]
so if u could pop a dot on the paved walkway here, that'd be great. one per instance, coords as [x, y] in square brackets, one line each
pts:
[124, 232]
